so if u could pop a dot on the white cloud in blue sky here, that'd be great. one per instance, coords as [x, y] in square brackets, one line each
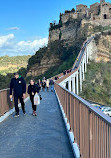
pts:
[8, 45]
[13, 28]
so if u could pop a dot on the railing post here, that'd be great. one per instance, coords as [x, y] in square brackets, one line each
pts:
[80, 72]
[83, 69]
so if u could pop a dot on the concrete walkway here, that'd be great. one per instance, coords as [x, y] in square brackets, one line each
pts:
[43, 136]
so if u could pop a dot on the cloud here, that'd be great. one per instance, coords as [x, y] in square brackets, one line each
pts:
[8, 45]
[6, 40]
[13, 28]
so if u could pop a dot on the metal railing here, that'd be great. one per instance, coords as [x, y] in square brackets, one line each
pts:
[5, 103]
[91, 127]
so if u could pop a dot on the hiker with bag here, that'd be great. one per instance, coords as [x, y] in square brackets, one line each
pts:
[32, 90]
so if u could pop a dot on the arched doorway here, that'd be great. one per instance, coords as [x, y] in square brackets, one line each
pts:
[105, 16]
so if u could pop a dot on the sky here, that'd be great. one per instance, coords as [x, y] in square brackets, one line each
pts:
[24, 24]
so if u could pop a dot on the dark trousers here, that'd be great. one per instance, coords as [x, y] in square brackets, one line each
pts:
[16, 97]
[32, 101]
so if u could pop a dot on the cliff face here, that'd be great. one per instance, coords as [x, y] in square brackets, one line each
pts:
[67, 31]
[103, 44]
[46, 62]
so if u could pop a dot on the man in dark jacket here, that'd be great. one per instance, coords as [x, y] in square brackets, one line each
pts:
[18, 85]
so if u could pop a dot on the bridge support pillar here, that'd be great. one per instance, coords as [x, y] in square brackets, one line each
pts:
[73, 84]
[85, 61]
[80, 74]
[64, 84]
[87, 54]
[83, 69]
[69, 85]
[77, 87]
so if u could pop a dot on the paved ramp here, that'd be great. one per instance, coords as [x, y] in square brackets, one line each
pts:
[43, 136]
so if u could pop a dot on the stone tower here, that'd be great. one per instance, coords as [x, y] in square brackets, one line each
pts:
[102, 1]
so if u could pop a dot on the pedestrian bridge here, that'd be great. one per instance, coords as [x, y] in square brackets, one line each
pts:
[88, 129]
[43, 136]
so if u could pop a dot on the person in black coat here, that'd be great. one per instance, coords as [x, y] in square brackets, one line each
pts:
[32, 89]
[18, 85]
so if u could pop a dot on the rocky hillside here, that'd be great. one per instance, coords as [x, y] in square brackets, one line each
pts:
[64, 44]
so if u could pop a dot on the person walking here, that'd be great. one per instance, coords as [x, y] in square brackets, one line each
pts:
[47, 84]
[43, 84]
[52, 85]
[18, 85]
[32, 89]
[40, 84]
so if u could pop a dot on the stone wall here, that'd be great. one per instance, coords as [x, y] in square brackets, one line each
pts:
[65, 17]
[54, 35]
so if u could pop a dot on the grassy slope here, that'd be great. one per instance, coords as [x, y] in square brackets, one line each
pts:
[97, 84]
[12, 64]
[9, 65]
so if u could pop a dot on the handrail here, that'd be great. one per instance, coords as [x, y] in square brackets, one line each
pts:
[4, 89]
[91, 127]
[82, 52]
[5, 103]
[98, 112]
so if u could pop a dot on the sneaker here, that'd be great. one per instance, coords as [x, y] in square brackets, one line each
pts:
[24, 112]
[35, 113]
[16, 115]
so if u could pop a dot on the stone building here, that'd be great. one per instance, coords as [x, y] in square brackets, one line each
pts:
[100, 11]
[97, 14]
[82, 10]
[94, 11]
[105, 10]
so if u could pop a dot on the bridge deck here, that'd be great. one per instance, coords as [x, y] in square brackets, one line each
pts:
[43, 136]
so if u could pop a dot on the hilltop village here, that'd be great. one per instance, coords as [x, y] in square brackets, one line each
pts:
[97, 14]
[97, 11]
